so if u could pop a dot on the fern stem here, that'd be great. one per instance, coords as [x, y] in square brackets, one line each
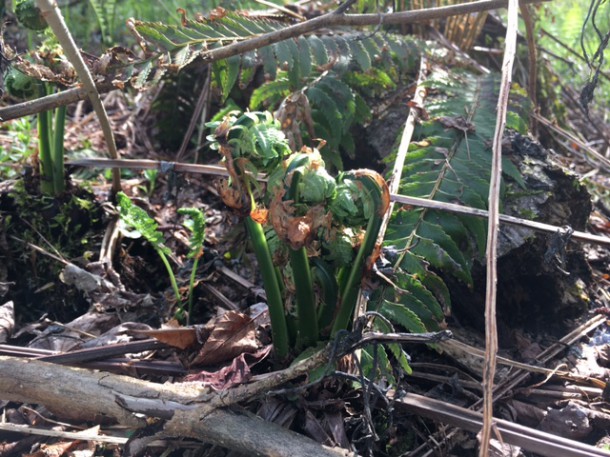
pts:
[191, 287]
[301, 271]
[44, 151]
[58, 150]
[306, 307]
[172, 277]
[374, 188]
[274, 297]
[349, 293]
[328, 283]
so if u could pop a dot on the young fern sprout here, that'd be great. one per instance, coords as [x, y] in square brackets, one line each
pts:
[251, 143]
[51, 147]
[317, 222]
[364, 196]
[296, 215]
[196, 224]
[45, 154]
[50, 131]
[143, 225]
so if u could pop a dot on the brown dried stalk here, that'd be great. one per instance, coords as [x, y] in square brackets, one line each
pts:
[491, 331]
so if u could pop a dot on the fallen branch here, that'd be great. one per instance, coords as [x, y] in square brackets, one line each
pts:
[86, 395]
[356, 20]
[65, 97]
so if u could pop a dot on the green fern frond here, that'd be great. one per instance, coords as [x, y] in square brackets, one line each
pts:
[403, 315]
[270, 94]
[136, 218]
[396, 349]
[101, 17]
[226, 73]
[449, 162]
[195, 222]
[301, 57]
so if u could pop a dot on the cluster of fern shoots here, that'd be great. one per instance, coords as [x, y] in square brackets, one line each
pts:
[314, 235]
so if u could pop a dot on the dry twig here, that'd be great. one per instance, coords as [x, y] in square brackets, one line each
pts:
[491, 331]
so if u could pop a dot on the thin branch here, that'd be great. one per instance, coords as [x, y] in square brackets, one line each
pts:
[491, 331]
[534, 225]
[530, 439]
[146, 164]
[65, 97]
[357, 20]
[569, 49]
[52, 15]
[63, 434]
[581, 148]
[398, 198]
[202, 102]
[405, 140]
[532, 54]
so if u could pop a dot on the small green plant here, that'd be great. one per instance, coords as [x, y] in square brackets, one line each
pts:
[151, 181]
[51, 124]
[248, 143]
[195, 222]
[321, 231]
[20, 146]
[143, 225]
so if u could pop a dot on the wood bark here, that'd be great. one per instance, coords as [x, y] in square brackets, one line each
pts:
[188, 408]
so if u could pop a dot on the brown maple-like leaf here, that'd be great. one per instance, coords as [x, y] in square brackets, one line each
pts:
[231, 334]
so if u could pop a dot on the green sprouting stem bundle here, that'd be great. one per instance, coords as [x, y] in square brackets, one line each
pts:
[249, 143]
[279, 328]
[45, 156]
[58, 150]
[50, 133]
[51, 148]
[316, 219]
[302, 277]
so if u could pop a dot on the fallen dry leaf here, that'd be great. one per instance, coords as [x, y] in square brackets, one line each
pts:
[53, 450]
[238, 372]
[231, 334]
[181, 338]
